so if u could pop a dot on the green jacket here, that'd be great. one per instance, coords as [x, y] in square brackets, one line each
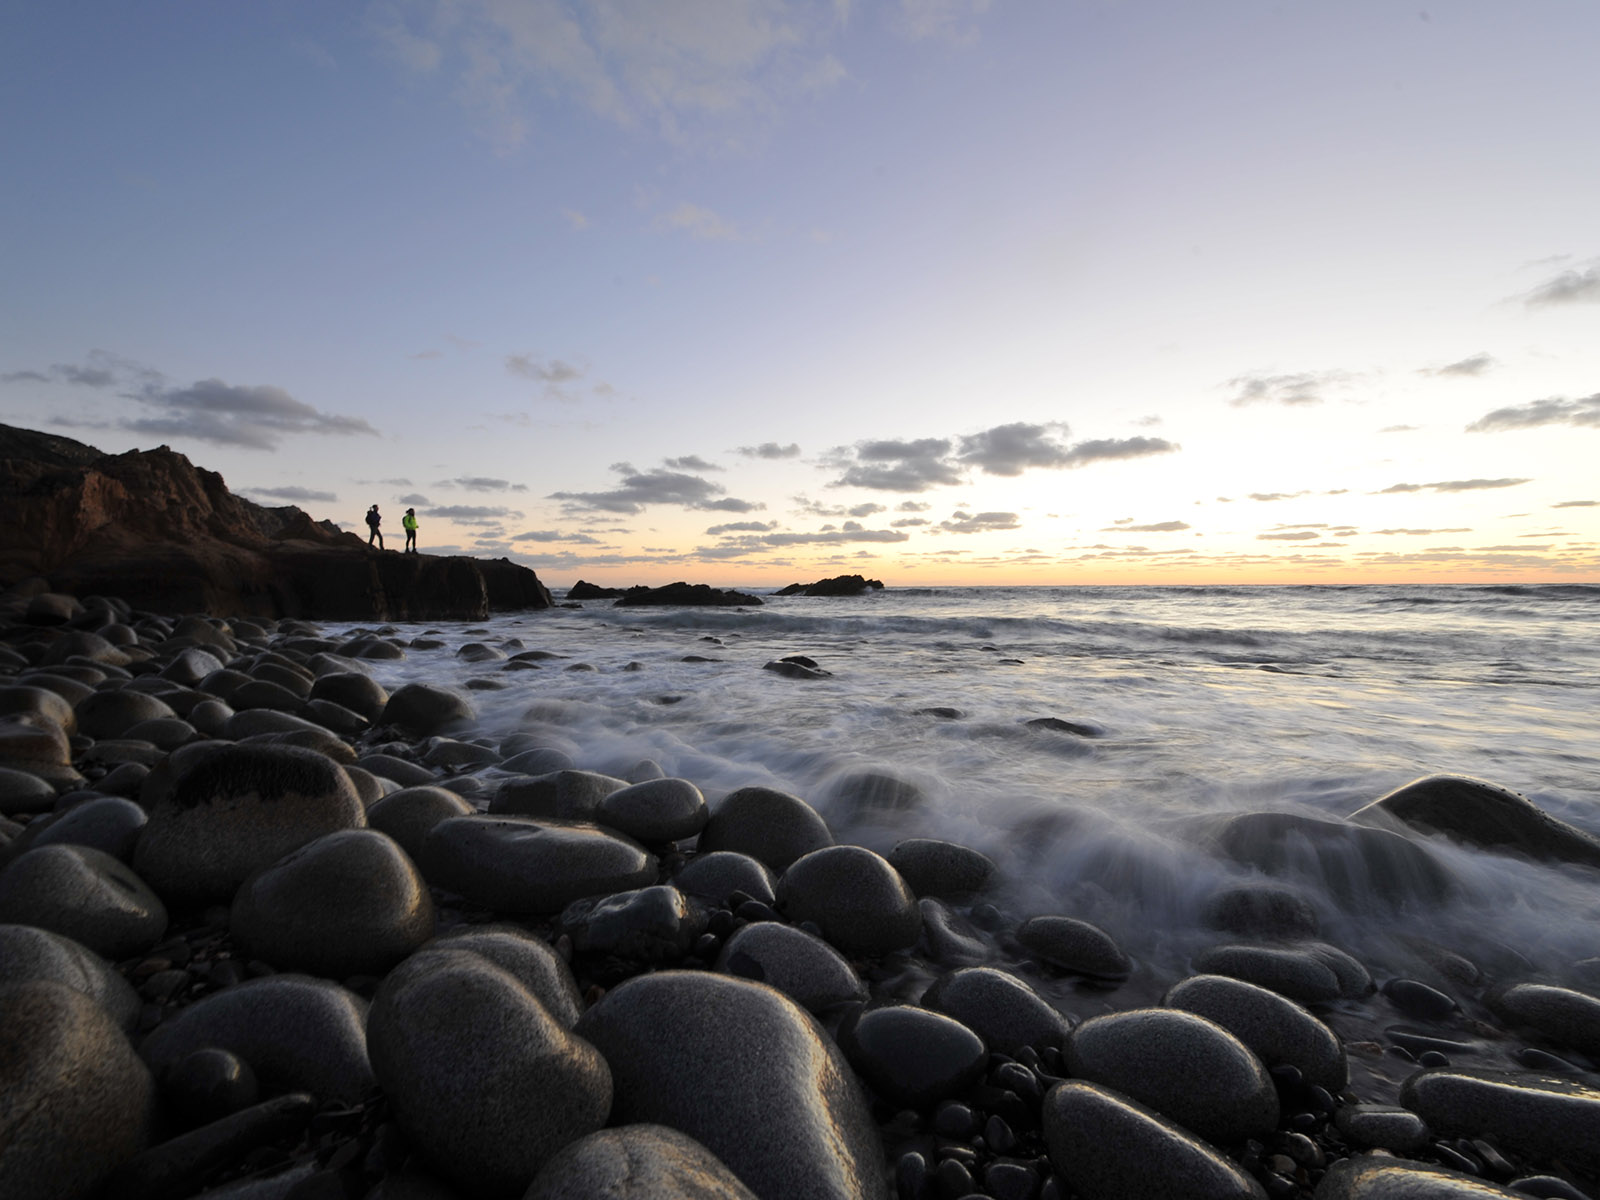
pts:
[409, 521]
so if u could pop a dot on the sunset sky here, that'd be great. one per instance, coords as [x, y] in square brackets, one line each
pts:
[755, 291]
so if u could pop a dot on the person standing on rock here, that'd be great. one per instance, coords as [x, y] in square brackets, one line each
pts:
[410, 523]
[373, 521]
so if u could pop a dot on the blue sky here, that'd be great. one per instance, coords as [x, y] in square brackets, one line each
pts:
[753, 291]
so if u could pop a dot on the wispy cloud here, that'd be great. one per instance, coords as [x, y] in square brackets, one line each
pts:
[1452, 485]
[481, 483]
[691, 462]
[470, 514]
[295, 495]
[555, 535]
[771, 450]
[901, 466]
[1554, 411]
[640, 489]
[1306, 387]
[701, 224]
[1009, 450]
[984, 522]
[1575, 286]
[1153, 527]
[1478, 364]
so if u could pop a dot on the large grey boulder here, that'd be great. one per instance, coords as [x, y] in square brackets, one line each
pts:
[407, 815]
[804, 968]
[1568, 1017]
[522, 865]
[1185, 1067]
[238, 810]
[1000, 1008]
[564, 795]
[636, 1162]
[30, 954]
[534, 964]
[1541, 1114]
[349, 903]
[483, 1080]
[772, 826]
[75, 1101]
[742, 1069]
[83, 894]
[1373, 1177]
[854, 897]
[657, 810]
[1275, 1028]
[423, 710]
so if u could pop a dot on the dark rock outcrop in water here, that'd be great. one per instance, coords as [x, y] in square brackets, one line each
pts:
[685, 593]
[839, 585]
[151, 527]
[584, 590]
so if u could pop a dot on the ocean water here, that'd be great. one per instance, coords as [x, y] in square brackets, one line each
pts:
[1207, 702]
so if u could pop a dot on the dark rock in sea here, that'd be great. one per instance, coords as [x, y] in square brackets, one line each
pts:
[523, 865]
[731, 1063]
[838, 585]
[857, 900]
[793, 668]
[349, 903]
[1000, 1008]
[1417, 999]
[913, 1057]
[1295, 973]
[1540, 1114]
[871, 795]
[772, 826]
[1566, 1017]
[1261, 910]
[1278, 1031]
[539, 760]
[804, 968]
[408, 814]
[238, 810]
[1075, 946]
[83, 894]
[1183, 1066]
[717, 875]
[653, 924]
[944, 870]
[683, 593]
[583, 590]
[1057, 725]
[1382, 1127]
[636, 1162]
[30, 954]
[1482, 814]
[529, 959]
[1107, 1146]
[567, 795]
[1371, 1177]
[422, 710]
[657, 810]
[445, 1023]
[75, 1100]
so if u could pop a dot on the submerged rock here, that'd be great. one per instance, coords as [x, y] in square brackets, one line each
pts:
[1076, 946]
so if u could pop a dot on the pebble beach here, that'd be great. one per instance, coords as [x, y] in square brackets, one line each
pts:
[913, 899]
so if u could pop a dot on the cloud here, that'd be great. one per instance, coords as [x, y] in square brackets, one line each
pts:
[1306, 387]
[1418, 532]
[700, 223]
[554, 371]
[810, 507]
[1400, 429]
[1478, 364]
[691, 462]
[771, 450]
[253, 416]
[1577, 504]
[742, 527]
[1006, 450]
[293, 494]
[1569, 287]
[1452, 485]
[480, 483]
[412, 498]
[639, 489]
[101, 370]
[901, 466]
[947, 20]
[422, 354]
[1270, 496]
[850, 533]
[24, 377]
[1554, 411]
[1155, 527]
[1112, 449]
[1289, 535]
[555, 535]
[469, 514]
[575, 219]
[909, 522]
[1009, 450]
[985, 522]
[912, 506]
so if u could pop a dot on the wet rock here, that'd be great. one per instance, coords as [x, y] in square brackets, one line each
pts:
[563, 795]
[423, 710]
[521, 865]
[534, 964]
[540, 760]
[1000, 1008]
[75, 1101]
[657, 810]
[1541, 1114]
[950, 939]
[940, 869]
[83, 894]
[652, 924]
[1057, 725]
[111, 714]
[871, 795]
[349, 903]
[177, 1166]
[636, 1162]
[1566, 1017]
[408, 814]
[772, 826]
[110, 824]
[1382, 1127]
[1482, 814]
[791, 668]
[804, 968]
[1417, 999]
[729, 1062]
[238, 810]
[297, 1034]
[1076, 946]
[1297, 974]
[30, 954]
[913, 1057]
[398, 770]
[1277, 1030]
[1381, 1178]
[1107, 1146]
[718, 875]
[1262, 911]
[685, 593]
[444, 1024]
[336, 718]
[855, 898]
[1183, 1066]
[24, 792]
[209, 1083]
[358, 692]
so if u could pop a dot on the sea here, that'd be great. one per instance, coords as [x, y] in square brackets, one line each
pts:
[1183, 706]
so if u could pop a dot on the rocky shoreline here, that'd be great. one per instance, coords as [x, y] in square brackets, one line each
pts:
[269, 930]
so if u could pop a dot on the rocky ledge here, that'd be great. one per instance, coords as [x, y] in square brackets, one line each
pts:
[838, 585]
[152, 528]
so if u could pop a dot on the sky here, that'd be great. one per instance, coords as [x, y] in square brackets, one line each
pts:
[763, 291]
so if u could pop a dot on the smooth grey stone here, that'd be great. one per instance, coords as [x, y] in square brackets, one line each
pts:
[1382, 1127]
[38, 747]
[1183, 1066]
[349, 903]
[263, 693]
[1076, 946]
[1484, 815]
[521, 865]
[1417, 999]
[80, 645]
[24, 792]
[943, 870]
[541, 760]
[75, 1101]
[191, 665]
[1000, 1008]
[71, 690]
[111, 714]
[1262, 911]
[241, 809]
[1376, 1177]
[28, 953]
[359, 693]
[209, 1083]
[563, 795]
[854, 896]
[718, 875]
[210, 718]
[1567, 1017]
[1355, 981]
[84, 894]
[34, 700]
[539, 968]
[644, 770]
[110, 824]
[445, 1023]
[1107, 1146]
[636, 1162]
[375, 648]
[178, 1165]
[650, 924]
[913, 1057]
[1542, 1114]
[407, 815]
[742, 1069]
[1276, 1029]
[297, 1033]
[479, 652]
[336, 718]
[406, 774]
[804, 968]
[766, 824]
[951, 941]
[369, 788]
[1297, 974]
[223, 683]
[164, 733]
[51, 608]
[423, 710]
[657, 810]
[873, 795]
[451, 754]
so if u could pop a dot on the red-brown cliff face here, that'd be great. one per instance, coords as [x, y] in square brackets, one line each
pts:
[165, 535]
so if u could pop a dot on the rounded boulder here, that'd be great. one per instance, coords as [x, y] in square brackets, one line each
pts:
[521, 865]
[772, 826]
[423, 710]
[83, 894]
[636, 1162]
[657, 810]
[855, 897]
